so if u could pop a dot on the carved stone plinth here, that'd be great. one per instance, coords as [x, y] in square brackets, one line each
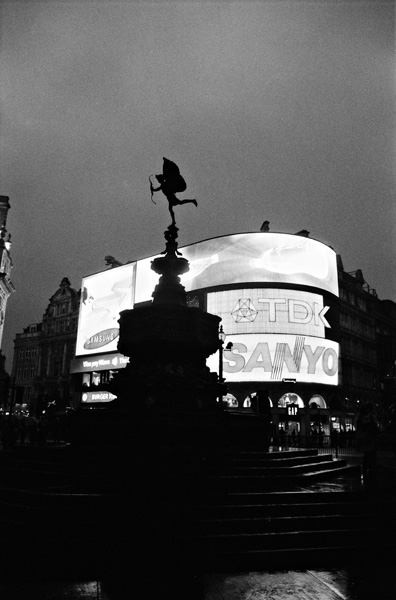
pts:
[168, 347]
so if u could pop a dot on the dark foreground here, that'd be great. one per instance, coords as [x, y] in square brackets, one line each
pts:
[33, 568]
[366, 581]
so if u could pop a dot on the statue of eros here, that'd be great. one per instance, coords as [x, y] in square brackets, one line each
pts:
[171, 182]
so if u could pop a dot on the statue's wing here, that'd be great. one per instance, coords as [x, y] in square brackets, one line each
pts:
[174, 180]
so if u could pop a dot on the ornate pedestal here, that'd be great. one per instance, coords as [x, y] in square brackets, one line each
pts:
[168, 344]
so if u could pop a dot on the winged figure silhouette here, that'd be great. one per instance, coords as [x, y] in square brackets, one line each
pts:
[171, 183]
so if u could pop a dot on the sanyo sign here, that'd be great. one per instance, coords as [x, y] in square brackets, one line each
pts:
[258, 357]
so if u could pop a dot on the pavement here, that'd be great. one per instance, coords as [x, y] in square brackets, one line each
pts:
[361, 582]
[376, 582]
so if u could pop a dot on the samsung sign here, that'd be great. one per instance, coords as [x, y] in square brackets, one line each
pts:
[103, 297]
[258, 357]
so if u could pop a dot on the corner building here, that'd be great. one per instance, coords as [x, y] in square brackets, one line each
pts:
[280, 310]
[43, 352]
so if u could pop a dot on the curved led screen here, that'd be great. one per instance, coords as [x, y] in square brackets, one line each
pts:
[250, 258]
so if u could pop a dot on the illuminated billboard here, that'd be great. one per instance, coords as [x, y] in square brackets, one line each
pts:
[103, 297]
[271, 310]
[97, 396]
[272, 358]
[250, 258]
[99, 362]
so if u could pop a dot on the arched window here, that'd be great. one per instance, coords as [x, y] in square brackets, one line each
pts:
[231, 401]
[317, 402]
[247, 403]
[287, 399]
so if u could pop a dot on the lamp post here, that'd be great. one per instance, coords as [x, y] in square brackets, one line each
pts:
[222, 337]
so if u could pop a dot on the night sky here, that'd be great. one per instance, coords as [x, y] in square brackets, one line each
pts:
[279, 111]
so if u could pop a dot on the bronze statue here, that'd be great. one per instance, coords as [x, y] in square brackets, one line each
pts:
[171, 182]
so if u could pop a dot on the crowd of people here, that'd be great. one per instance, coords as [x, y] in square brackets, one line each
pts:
[30, 430]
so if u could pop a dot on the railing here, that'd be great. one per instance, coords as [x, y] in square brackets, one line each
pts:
[335, 444]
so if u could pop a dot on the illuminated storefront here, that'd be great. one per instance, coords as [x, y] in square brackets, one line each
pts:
[277, 295]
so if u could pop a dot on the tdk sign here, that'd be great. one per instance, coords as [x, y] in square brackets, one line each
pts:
[298, 311]
[266, 310]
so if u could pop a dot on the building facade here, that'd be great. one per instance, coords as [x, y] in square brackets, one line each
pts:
[6, 289]
[43, 352]
[317, 338]
[368, 342]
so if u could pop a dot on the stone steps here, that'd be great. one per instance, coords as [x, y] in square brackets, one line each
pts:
[255, 513]
[295, 558]
[245, 513]
[246, 507]
[305, 522]
[254, 479]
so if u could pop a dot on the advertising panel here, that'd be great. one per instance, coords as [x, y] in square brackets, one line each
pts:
[267, 310]
[250, 257]
[103, 297]
[273, 358]
[99, 363]
[89, 397]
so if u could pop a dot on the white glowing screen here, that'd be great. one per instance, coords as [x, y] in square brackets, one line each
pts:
[275, 357]
[103, 297]
[250, 257]
[269, 310]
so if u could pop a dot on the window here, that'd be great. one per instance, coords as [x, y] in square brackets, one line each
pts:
[349, 424]
[95, 378]
[287, 399]
[231, 401]
[317, 402]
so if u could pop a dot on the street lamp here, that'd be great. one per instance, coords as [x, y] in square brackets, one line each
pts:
[222, 338]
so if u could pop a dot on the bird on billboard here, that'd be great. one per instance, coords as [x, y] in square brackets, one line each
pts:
[110, 260]
[171, 183]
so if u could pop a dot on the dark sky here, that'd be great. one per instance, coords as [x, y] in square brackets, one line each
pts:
[279, 111]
